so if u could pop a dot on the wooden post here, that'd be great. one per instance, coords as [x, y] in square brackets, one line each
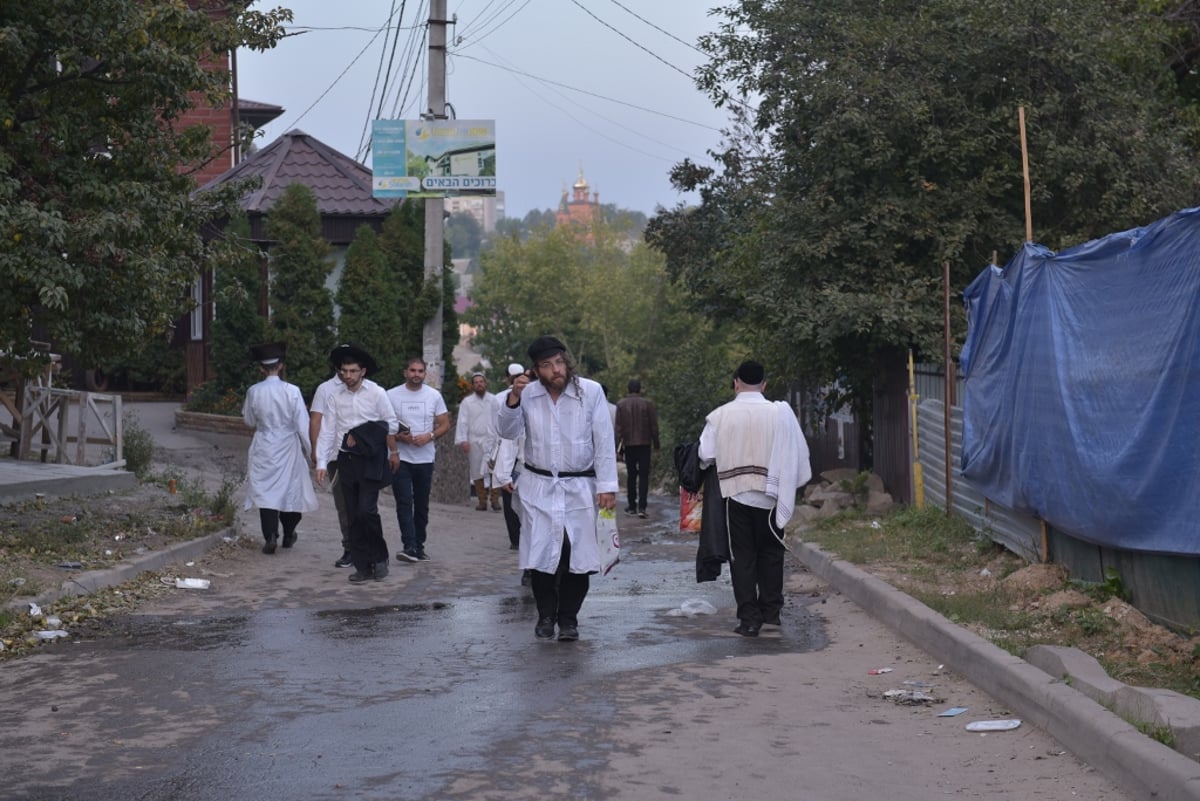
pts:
[1025, 169]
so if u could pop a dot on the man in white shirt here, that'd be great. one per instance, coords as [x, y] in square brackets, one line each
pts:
[475, 433]
[570, 470]
[421, 411]
[761, 459]
[506, 466]
[358, 431]
[316, 413]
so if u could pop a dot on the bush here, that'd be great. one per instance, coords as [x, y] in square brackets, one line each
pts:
[211, 398]
[138, 447]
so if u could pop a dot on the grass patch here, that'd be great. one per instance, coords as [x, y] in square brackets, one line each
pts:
[977, 584]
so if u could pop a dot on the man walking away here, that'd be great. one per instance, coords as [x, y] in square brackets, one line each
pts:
[761, 460]
[359, 433]
[475, 433]
[637, 431]
[423, 417]
[277, 467]
[570, 470]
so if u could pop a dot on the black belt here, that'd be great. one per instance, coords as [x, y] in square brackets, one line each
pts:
[589, 473]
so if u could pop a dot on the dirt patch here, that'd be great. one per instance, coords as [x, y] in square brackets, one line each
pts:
[44, 542]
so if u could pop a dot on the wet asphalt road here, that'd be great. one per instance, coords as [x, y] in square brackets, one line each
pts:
[401, 700]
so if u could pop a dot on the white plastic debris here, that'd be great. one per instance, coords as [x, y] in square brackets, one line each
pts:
[34, 610]
[53, 623]
[693, 607]
[985, 572]
[993, 725]
[876, 524]
[192, 583]
[51, 634]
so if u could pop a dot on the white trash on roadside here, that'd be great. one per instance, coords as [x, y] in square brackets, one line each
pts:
[34, 610]
[188, 583]
[993, 725]
[693, 607]
[51, 634]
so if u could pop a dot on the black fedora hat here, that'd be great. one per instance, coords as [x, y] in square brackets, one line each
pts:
[544, 347]
[268, 353]
[351, 352]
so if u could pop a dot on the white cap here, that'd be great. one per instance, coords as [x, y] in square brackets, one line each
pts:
[515, 369]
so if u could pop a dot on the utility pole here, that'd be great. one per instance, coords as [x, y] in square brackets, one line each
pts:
[431, 342]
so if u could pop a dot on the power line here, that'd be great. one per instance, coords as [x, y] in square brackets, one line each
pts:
[461, 54]
[660, 30]
[500, 24]
[606, 119]
[631, 41]
[338, 79]
[379, 72]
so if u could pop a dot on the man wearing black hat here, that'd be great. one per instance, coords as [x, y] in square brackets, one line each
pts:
[570, 470]
[277, 479]
[358, 431]
[761, 460]
[637, 432]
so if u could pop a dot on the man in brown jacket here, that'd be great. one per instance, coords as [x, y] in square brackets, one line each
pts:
[637, 431]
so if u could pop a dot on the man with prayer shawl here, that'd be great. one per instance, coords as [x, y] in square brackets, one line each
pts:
[761, 461]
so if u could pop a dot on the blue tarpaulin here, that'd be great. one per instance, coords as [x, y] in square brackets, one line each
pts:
[1081, 401]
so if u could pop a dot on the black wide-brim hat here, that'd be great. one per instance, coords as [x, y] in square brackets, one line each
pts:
[351, 352]
[268, 353]
[544, 347]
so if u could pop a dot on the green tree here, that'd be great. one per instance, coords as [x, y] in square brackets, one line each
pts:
[369, 298]
[237, 323]
[464, 235]
[301, 305]
[100, 235]
[885, 140]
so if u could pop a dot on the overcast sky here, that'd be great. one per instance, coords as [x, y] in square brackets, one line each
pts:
[604, 57]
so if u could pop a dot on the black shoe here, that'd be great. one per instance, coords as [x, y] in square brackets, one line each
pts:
[359, 576]
[544, 630]
[642, 514]
[568, 633]
[344, 560]
[747, 629]
[512, 546]
[379, 570]
[269, 546]
[407, 556]
[772, 622]
[526, 577]
[289, 539]
[423, 557]
[629, 510]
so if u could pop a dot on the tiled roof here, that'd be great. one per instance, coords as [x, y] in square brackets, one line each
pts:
[342, 186]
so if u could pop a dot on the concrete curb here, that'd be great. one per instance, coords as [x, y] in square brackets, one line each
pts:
[1142, 767]
[92, 580]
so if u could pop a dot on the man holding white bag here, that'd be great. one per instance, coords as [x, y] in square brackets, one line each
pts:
[570, 472]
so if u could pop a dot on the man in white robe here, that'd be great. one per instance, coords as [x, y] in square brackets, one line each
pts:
[570, 470]
[278, 481]
[475, 433]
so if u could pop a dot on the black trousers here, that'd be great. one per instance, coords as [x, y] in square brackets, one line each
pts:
[269, 519]
[512, 520]
[367, 545]
[559, 595]
[756, 563]
[637, 465]
[339, 504]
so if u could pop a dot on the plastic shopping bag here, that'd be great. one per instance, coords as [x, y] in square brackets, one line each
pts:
[608, 540]
[691, 507]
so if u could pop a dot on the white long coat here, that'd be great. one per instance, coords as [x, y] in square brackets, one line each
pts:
[568, 436]
[277, 468]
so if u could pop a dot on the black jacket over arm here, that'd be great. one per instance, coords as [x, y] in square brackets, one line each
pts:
[367, 460]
